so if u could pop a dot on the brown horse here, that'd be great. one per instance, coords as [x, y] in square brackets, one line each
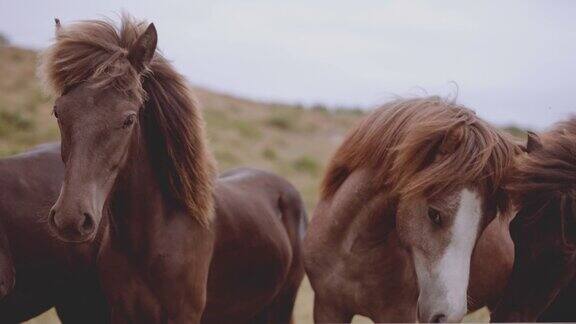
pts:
[7, 269]
[137, 167]
[404, 201]
[257, 266]
[49, 273]
[542, 285]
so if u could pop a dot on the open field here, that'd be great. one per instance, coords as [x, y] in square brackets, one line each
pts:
[293, 141]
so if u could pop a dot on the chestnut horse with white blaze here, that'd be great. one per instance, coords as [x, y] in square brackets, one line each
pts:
[404, 203]
[178, 246]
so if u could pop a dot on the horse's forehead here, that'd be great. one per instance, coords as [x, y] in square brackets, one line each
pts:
[448, 201]
[93, 101]
[78, 97]
[469, 210]
[463, 210]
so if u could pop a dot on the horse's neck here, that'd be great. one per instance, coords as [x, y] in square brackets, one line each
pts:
[138, 208]
[359, 213]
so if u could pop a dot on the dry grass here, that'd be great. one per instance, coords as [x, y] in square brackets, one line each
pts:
[290, 140]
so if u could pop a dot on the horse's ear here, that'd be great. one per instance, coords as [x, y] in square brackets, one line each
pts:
[58, 27]
[451, 140]
[521, 145]
[533, 142]
[142, 52]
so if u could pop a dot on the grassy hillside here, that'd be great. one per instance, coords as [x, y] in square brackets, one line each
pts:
[292, 141]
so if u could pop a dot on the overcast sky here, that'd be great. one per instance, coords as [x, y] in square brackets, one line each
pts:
[513, 62]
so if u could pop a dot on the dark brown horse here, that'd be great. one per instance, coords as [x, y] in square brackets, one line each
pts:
[137, 167]
[7, 268]
[542, 285]
[257, 266]
[49, 273]
[404, 201]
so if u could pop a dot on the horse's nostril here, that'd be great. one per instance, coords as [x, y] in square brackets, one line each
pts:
[52, 218]
[88, 223]
[438, 318]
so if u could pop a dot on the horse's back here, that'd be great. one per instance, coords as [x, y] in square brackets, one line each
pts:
[29, 187]
[259, 223]
[32, 176]
[266, 199]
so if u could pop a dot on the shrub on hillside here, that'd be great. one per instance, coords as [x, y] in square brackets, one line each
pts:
[13, 121]
[269, 154]
[515, 131]
[3, 40]
[306, 164]
[283, 122]
[246, 129]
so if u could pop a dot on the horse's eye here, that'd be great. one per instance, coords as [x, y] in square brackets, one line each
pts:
[130, 119]
[434, 216]
[54, 112]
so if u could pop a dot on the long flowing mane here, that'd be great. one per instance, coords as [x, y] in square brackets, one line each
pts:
[546, 177]
[401, 141]
[96, 51]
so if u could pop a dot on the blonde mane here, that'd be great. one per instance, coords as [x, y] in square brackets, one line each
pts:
[96, 53]
[424, 146]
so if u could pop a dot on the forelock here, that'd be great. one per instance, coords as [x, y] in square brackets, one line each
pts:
[94, 52]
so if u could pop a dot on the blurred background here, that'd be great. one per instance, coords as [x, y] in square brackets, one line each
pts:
[281, 82]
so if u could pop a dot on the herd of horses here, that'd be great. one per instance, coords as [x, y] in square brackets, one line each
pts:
[426, 211]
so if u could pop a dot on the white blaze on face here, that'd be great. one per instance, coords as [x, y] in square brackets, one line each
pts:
[444, 284]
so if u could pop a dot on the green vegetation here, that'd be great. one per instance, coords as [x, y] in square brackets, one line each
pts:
[283, 122]
[247, 130]
[14, 121]
[306, 164]
[269, 154]
[516, 131]
[3, 40]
